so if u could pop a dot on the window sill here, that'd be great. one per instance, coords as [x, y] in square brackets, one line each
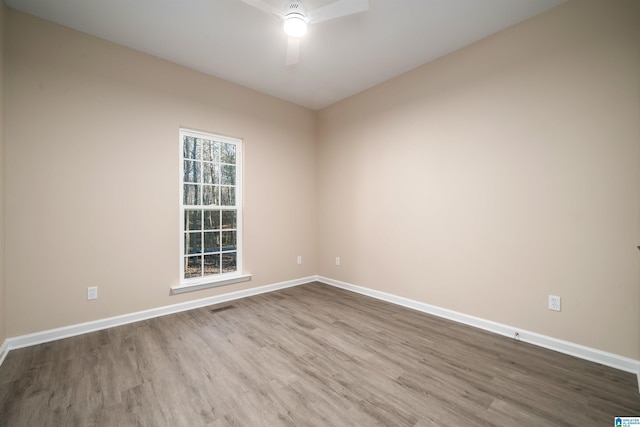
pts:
[210, 283]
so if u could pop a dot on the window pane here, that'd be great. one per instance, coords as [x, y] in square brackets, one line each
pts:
[191, 194]
[211, 173]
[212, 242]
[210, 195]
[193, 243]
[210, 151]
[190, 148]
[211, 264]
[227, 196]
[192, 266]
[229, 262]
[192, 220]
[192, 171]
[228, 175]
[228, 240]
[228, 219]
[228, 153]
[211, 220]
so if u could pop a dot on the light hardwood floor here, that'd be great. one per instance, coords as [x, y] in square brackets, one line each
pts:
[312, 355]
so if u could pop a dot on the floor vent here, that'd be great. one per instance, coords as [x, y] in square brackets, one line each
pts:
[219, 309]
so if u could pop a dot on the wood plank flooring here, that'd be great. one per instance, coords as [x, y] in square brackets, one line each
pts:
[312, 355]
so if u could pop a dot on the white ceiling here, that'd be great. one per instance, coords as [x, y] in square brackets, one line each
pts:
[236, 42]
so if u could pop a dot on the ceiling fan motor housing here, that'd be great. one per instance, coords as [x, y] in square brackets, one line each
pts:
[295, 9]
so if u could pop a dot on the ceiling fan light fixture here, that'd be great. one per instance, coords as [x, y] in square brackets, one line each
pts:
[295, 25]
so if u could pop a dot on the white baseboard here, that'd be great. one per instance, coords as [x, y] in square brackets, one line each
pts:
[4, 350]
[96, 325]
[577, 350]
[582, 352]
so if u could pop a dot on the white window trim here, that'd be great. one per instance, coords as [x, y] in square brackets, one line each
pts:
[205, 282]
[211, 283]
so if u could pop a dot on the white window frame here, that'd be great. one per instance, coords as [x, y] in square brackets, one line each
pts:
[219, 279]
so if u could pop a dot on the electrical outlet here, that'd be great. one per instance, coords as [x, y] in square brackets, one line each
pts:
[299, 259]
[554, 303]
[337, 260]
[92, 293]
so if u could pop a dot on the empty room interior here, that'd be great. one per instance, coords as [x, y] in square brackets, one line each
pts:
[417, 213]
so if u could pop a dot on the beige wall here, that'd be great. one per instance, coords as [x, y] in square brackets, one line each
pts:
[92, 176]
[500, 174]
[3, 334]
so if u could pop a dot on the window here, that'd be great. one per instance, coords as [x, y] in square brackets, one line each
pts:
[211, 207]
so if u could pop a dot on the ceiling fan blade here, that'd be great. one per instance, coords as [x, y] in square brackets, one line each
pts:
[338, 9]
[293, 50]
[265, 7]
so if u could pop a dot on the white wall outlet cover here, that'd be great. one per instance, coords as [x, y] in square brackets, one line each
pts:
[554, 303]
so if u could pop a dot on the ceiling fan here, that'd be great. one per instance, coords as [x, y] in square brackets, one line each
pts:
[296, 18]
